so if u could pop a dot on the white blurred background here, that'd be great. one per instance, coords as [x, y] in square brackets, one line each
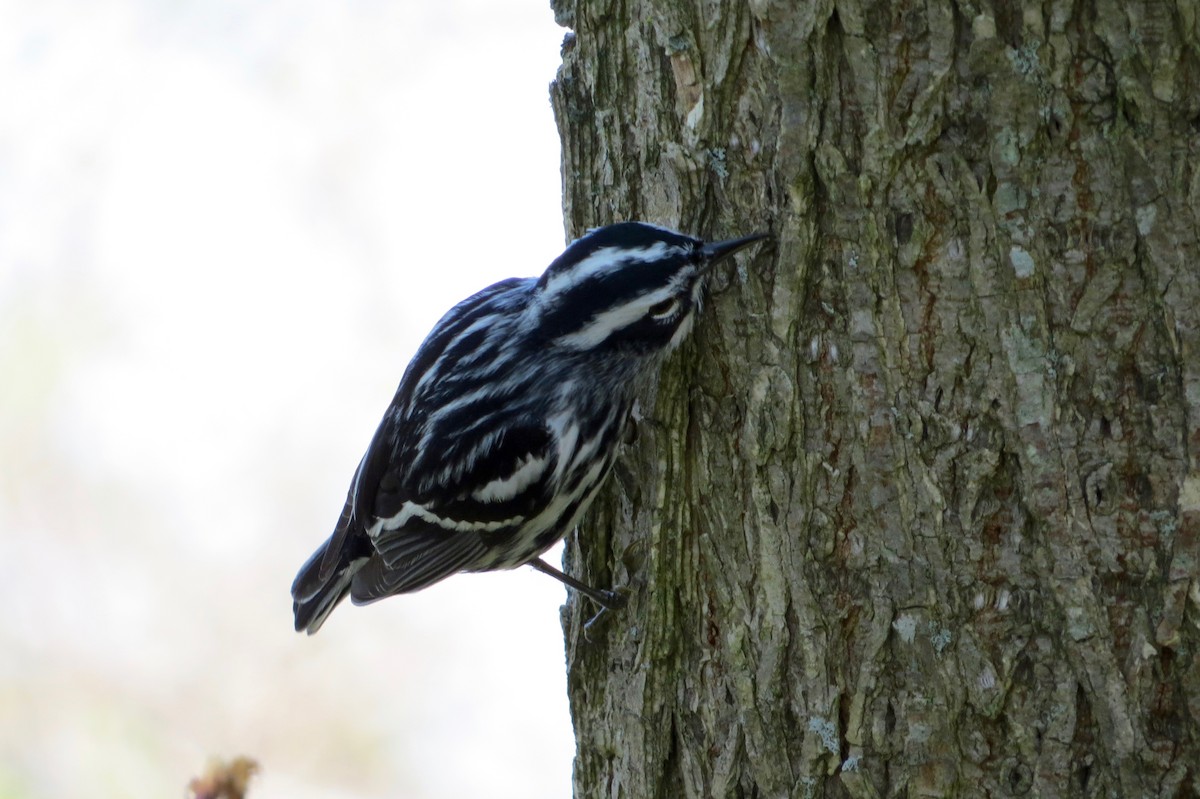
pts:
[225, 226]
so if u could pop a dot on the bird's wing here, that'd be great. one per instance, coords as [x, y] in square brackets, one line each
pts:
[443, 517]
[355, 510]
[489, 480]
[420, 558]
[423, 536]
[382, 474]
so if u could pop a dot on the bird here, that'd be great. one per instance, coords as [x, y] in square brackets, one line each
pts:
[508, 418]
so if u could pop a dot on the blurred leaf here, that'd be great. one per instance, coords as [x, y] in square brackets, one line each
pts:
[224, 780]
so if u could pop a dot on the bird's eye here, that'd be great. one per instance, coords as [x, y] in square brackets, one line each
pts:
[664, 309]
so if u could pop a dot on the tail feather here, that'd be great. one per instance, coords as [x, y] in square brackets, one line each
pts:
[317, 591]
[397, 563]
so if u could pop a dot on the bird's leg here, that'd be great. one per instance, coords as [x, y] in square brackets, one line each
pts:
[608, 600]
[591, 623]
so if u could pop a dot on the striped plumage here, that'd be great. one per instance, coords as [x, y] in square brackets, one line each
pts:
[506, 421]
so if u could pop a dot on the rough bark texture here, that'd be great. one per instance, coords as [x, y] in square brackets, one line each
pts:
[917, 511]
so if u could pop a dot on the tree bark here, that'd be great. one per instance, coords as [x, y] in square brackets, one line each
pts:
[917, 510]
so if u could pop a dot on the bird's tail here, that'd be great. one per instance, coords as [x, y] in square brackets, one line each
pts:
[317, 591]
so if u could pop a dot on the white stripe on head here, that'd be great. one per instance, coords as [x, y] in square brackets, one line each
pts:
[684, 330]
[605, 324]
[603, 260]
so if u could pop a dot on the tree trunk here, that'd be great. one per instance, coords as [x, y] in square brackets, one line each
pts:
[917, 510]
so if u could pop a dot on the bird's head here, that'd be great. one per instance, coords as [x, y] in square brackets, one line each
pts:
[631, 287]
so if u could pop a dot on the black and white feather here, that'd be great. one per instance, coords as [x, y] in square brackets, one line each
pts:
[506, 421]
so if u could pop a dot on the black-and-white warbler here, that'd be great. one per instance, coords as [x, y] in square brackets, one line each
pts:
[506, 421]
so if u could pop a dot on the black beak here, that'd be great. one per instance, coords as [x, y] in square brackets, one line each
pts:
[717, 251]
